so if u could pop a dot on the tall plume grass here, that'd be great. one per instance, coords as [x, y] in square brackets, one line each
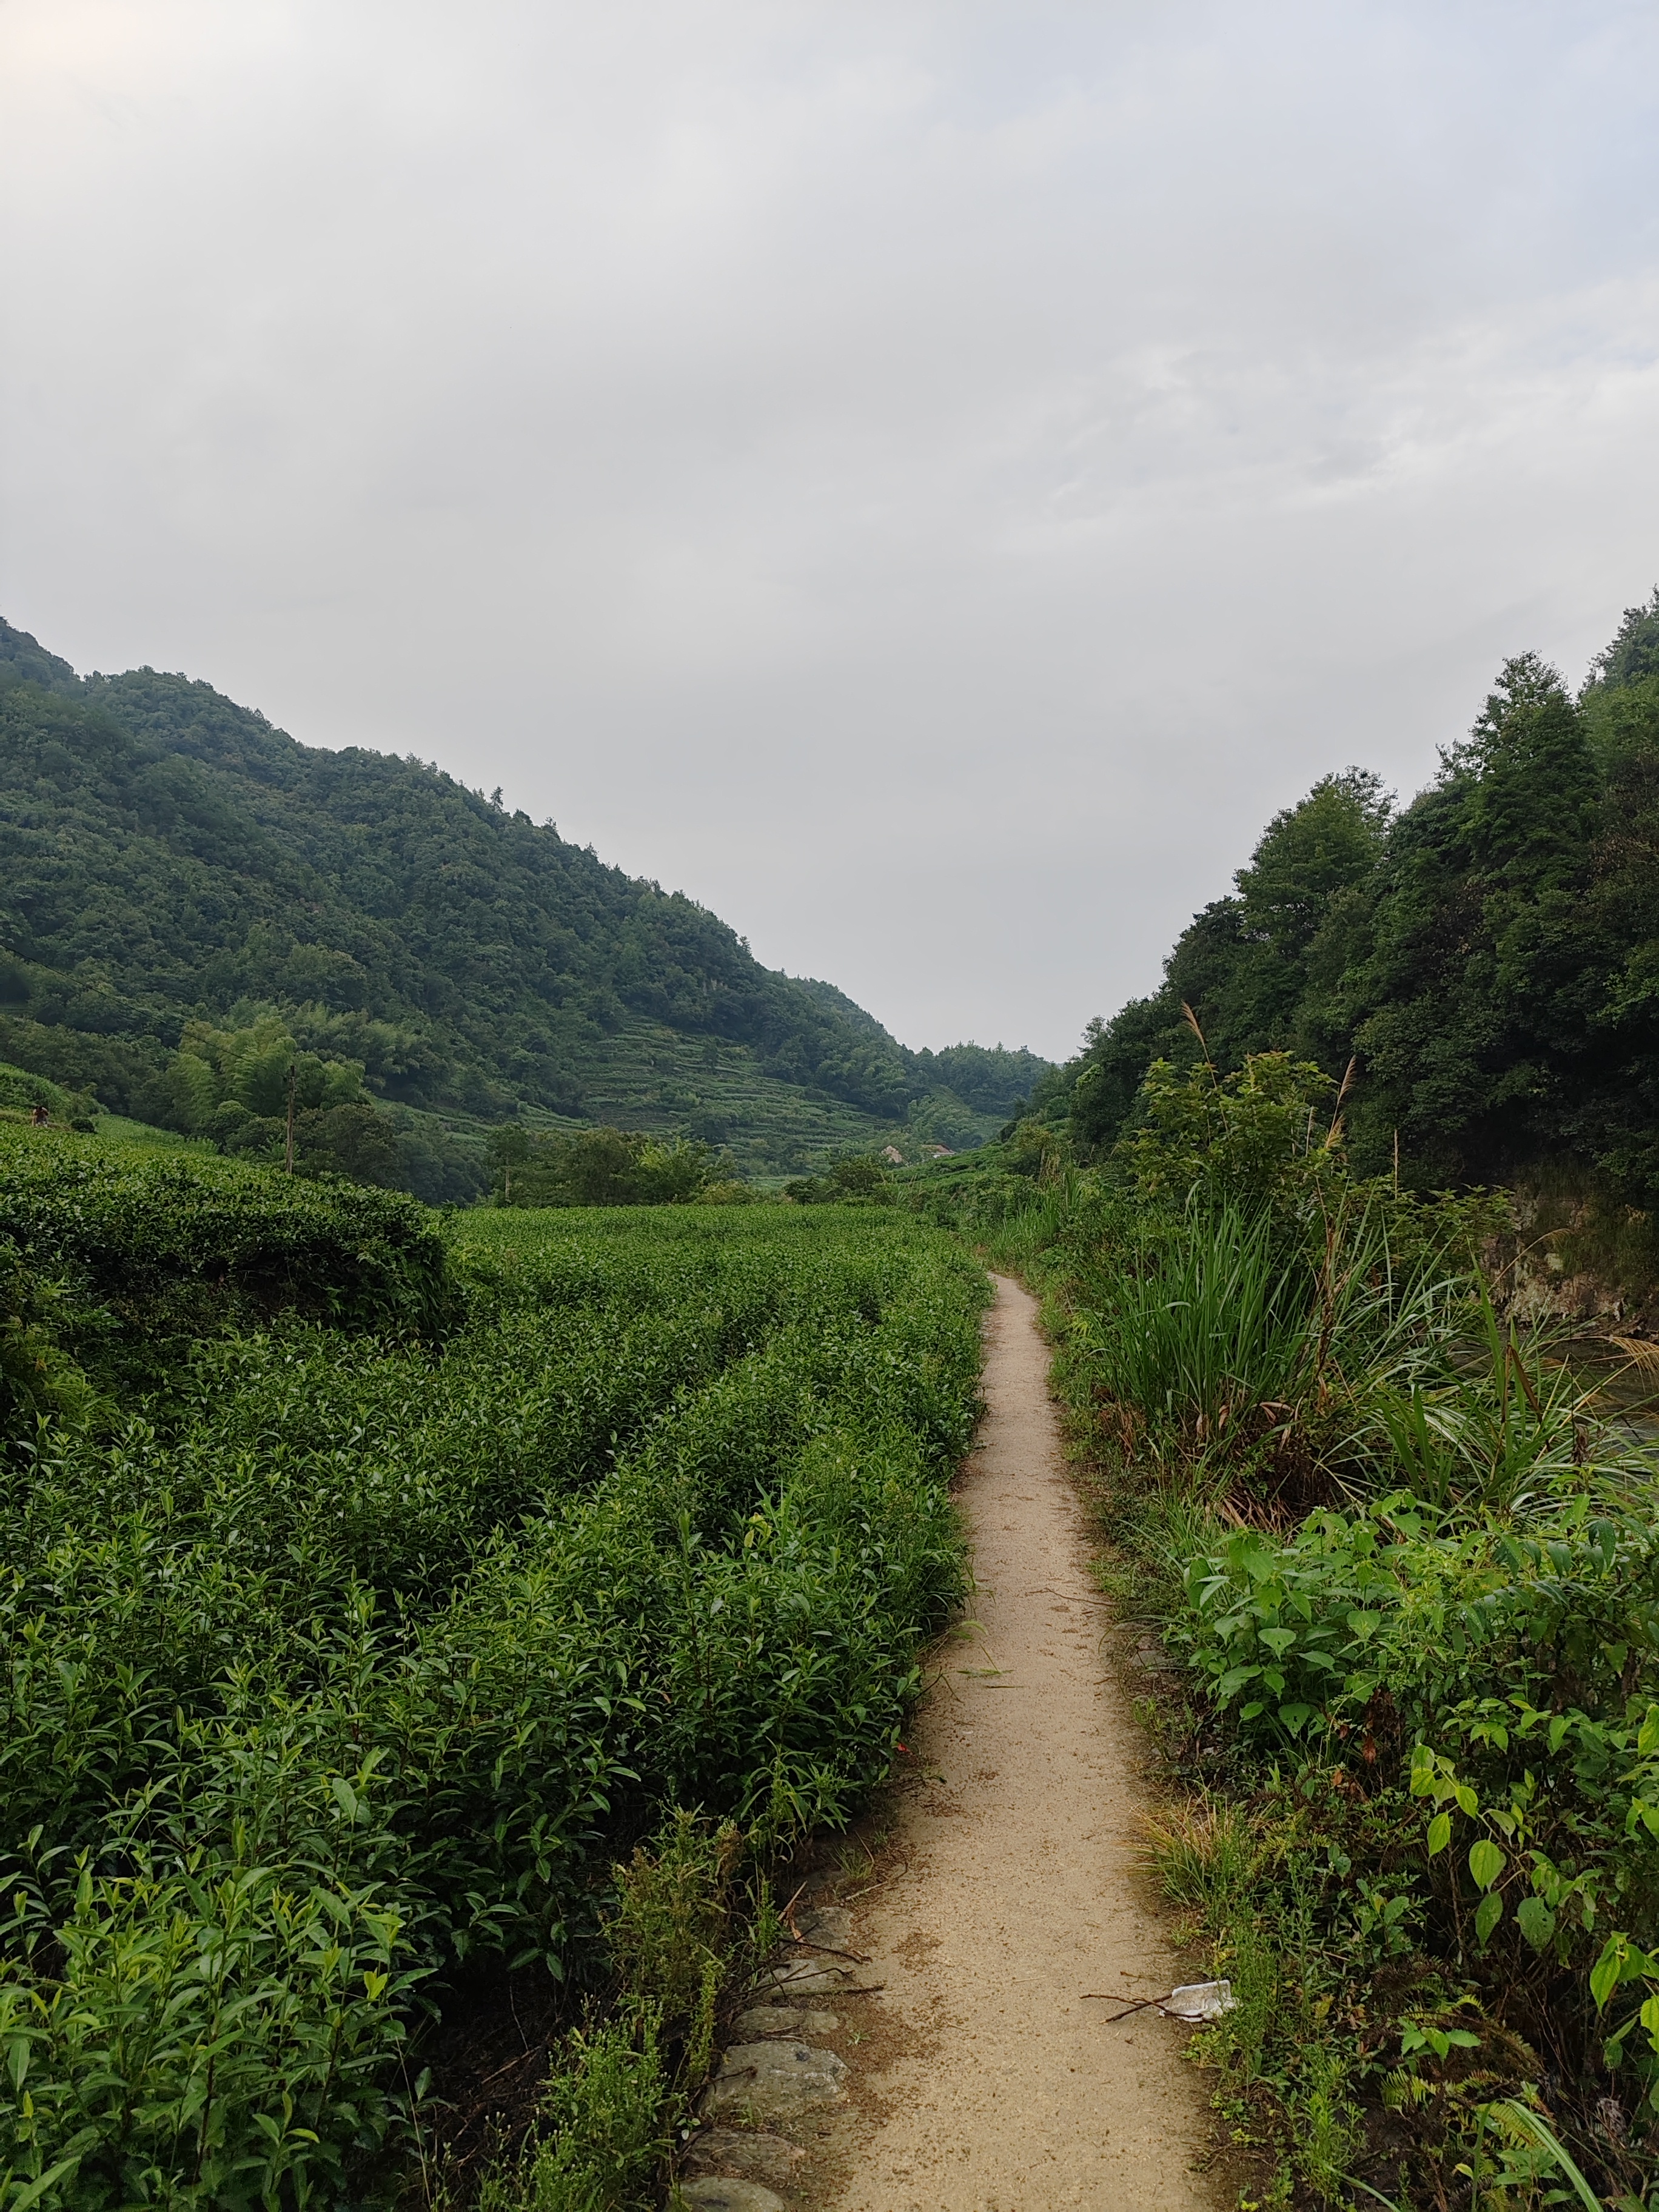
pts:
[1221, 1333]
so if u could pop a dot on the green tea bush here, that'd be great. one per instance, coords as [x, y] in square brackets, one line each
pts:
[40, 1383]
[356, 1658]
[172, 1247]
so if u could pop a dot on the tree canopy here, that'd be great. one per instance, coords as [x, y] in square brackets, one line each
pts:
[1487, 957]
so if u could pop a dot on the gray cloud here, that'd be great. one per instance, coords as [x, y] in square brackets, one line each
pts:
[929, 479]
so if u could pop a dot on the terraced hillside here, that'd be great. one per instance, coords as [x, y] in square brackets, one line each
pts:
[169, 858]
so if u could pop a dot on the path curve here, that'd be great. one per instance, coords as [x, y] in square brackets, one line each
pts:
[1007, 2092]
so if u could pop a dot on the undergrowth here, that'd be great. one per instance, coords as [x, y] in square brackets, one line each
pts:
[1409, 1562]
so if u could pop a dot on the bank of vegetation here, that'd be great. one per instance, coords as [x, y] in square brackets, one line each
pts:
[407, 1632]
[1403, 1549]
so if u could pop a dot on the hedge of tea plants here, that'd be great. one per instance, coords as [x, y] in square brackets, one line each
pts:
[361, 1644]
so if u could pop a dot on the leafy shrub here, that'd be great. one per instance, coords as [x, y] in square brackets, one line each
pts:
[1265, 1133]
[149, 1248]
[599, 2137]
[385, 1642]
[39, 1381]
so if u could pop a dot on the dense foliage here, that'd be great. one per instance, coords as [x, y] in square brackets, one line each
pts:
[1408, 1558]
[598, 1167]
[354, 1656]
[1488, 954]
[169, 860]
[139, 1257]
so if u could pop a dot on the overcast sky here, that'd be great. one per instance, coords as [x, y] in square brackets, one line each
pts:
[927, 480]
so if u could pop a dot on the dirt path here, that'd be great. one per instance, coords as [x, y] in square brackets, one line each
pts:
[1005, 2092]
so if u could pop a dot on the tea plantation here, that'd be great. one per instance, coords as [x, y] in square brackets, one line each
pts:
[371, 1589]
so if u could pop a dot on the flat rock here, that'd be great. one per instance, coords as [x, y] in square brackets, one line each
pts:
[774, 2082]
[724, 2151]
[814, 1975]
[784, 2020]
[715, 2192]
[826, 1923]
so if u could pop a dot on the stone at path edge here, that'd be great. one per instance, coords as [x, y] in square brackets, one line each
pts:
[775, 2081]
[727, 2151]
[714, 2193]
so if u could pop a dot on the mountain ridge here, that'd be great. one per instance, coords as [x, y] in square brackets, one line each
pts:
[171, 856]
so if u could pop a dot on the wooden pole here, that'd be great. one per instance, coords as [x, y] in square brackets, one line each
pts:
[293, 1078]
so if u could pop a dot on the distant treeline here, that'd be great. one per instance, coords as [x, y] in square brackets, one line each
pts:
[1487, 957]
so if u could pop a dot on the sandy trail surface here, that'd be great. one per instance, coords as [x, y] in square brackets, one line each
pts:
[990, 2083]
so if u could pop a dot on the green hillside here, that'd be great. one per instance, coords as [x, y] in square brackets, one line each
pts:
[191, 901]
[1487, 957]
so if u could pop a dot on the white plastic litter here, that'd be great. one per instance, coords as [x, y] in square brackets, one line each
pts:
[1199, 2001]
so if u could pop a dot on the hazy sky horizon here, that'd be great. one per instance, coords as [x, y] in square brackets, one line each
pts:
[929, 481]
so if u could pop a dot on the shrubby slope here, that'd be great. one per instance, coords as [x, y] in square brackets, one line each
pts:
[168, 856]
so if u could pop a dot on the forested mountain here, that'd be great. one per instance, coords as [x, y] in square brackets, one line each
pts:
[174, 872]
[1488, 956]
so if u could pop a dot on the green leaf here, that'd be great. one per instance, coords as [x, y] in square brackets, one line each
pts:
[1604, 1974]
[1485, 1862]
[1234, 1680]
[1487, 1915]
[1535, 1921]
[1439, 1832]
[49, 2180]
[1525, 2123]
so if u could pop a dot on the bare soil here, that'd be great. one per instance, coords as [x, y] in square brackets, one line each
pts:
[985, 2078]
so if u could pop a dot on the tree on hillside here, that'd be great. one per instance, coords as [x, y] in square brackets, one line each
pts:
[1475, 1002]
[1256, 969]
[1489, 957]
